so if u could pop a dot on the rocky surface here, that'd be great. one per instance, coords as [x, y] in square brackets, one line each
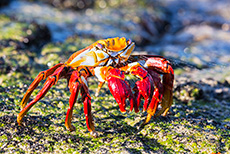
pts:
[193, 35]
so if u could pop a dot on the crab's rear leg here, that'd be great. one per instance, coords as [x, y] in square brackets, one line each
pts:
[162, 66]
[87, 110]
[41, 76]
[157, 97]
[167, 99]
[144, 87]
[148, 87]
[52, 79]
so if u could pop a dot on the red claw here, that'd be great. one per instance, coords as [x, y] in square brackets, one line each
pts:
[120, 89]
[144, 88]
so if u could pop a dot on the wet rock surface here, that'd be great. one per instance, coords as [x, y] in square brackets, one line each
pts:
[193, 35]
[142, 25]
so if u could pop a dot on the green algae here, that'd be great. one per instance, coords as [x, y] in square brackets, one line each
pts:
[158, 135]
[12, 30]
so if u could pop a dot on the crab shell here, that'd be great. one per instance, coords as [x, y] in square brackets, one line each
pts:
[102, 53]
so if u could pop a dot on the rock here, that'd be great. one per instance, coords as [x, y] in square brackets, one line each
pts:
[4, 2]
[20, 43]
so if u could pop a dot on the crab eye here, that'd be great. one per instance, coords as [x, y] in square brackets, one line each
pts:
[100, 46]
[129, 41]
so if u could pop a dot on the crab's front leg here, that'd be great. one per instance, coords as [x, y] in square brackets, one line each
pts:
[78, 82]
[74, 86]
[101, 83]
[163, 66]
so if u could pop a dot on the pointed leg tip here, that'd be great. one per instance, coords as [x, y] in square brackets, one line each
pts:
[94, 134]
[166, 112]
[19, 121]
[123, 111]
[71, 128]
[141, 126]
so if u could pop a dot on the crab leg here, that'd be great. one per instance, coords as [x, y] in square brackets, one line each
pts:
[157, 97]
[87, 110]
[144, 88]
[52, 79]
[74, 86]
[41, 76]
[137, 96]
[120, 89]
[164, 67]
[78, 82]
[148, 87]
[99, 88]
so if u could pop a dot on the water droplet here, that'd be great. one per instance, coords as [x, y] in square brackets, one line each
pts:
[225, 27]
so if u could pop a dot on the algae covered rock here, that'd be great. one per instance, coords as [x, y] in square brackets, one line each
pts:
[20, 43]
[22, 33]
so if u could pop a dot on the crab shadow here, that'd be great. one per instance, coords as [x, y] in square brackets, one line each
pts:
[115, 126]
[36, 134]
[38, 127]
[129, 134]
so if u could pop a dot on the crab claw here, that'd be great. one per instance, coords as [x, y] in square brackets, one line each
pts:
[144, 88]
[120, 89]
